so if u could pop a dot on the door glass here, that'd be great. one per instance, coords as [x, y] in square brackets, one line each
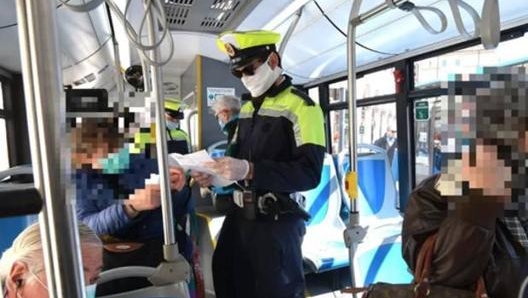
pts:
[427, 147]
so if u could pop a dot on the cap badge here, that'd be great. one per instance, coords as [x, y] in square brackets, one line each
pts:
[229, 49]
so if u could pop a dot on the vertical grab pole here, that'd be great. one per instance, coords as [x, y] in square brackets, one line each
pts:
[288, 34]
[354, 233]
[170, 249]
[45, 112]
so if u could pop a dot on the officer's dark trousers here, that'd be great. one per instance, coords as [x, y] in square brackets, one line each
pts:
[260, 258]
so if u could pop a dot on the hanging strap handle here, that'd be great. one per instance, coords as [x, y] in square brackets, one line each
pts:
[416, 11]
[490, 24]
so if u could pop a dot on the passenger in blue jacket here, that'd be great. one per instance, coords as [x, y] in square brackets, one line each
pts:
[119, 197]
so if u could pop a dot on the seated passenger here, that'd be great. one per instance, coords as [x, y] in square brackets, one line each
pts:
[474, 205]
[22, 271]
[118, 199]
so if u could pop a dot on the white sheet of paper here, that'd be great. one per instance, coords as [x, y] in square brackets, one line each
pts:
[196, 162]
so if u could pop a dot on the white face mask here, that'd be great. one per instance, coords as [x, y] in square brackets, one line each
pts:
[262, 80]
[172, 125]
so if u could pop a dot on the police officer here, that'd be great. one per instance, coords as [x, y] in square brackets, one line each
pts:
[280, 151]
[177, 139]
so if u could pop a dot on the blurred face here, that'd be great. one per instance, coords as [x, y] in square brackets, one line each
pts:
[488, 172]
[92, 143]
[223, 115]
[391, 134]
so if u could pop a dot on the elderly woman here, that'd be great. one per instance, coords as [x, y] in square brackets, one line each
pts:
[22, 272]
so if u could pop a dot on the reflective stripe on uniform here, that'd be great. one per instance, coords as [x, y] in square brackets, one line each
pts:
[304, 118]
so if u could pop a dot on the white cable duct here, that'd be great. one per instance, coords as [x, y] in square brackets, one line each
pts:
[87, 6]
[86, 52]
[135, 37]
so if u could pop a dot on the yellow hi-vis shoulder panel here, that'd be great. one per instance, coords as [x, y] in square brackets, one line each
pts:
[178, 135]
[307, 121]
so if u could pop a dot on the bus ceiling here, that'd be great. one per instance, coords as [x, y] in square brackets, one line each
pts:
[315, 49]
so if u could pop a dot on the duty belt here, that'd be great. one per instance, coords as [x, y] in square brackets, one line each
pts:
[269, 204]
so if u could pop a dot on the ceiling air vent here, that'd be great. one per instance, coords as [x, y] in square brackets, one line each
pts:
[220, 14]
[177, 11]
[211, 16]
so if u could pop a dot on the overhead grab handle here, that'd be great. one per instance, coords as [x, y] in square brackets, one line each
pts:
[415, 10]
[487, 27]
[490, 24]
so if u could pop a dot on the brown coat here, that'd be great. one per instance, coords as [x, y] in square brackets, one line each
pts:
[465, 249]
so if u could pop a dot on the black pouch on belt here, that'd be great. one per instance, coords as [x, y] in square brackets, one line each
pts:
[248, 202]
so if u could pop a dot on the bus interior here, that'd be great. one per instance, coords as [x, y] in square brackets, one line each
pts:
[373, 66]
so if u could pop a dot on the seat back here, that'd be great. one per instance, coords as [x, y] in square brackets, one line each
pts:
[378, 257]
[323, 245]
[377, 195]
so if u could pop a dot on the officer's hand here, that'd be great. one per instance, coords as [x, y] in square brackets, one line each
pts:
[231, 168]
[147, 198]
[203, 179]
[177, 178]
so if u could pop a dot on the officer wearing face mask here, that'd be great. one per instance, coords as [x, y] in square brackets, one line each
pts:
[280, 150]
[177, 139]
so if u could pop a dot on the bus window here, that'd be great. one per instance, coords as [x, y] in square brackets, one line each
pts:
[314, 94]
[429, 72]
[373, 123]
[4, 154]
[367, 86]
[427, 129]
[4, 157]
[1, 97]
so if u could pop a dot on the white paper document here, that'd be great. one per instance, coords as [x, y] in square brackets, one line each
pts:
[196, 161]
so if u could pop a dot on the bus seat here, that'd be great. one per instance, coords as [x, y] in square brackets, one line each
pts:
[166, 281]
[19, 197]
[374, 202]
[217, 149]
[209, 223]
[378, 256]
[323, 245]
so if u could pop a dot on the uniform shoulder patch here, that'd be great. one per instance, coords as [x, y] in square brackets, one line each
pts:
[304, 96]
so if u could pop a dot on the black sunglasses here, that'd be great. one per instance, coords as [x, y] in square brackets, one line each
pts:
[247, 70]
